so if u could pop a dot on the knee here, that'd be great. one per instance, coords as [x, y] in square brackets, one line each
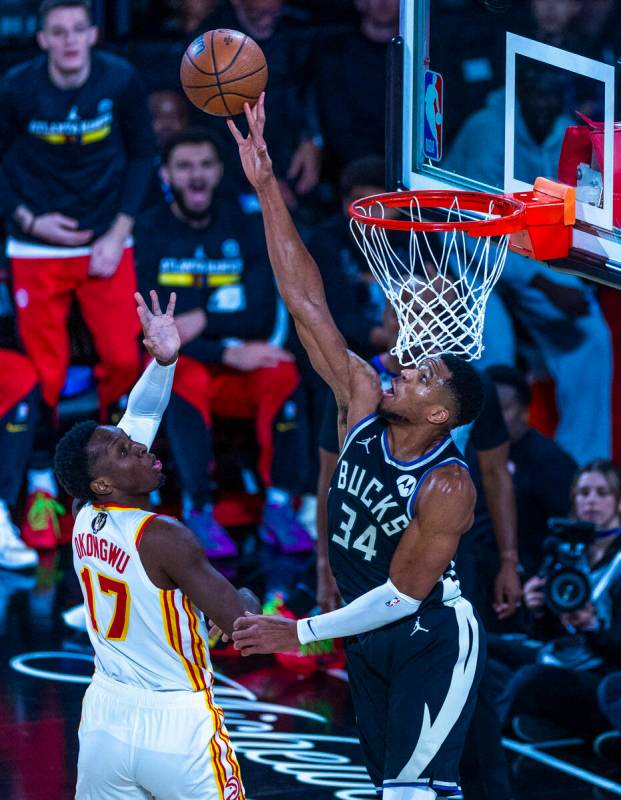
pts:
[609, 690]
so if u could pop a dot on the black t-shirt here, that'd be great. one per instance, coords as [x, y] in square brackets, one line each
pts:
[542, 475]
[222, 269]
[85, 152]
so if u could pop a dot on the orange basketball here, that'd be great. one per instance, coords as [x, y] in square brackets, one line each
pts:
[221, 70]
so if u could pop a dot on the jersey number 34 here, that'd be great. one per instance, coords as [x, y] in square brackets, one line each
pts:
[365, 542]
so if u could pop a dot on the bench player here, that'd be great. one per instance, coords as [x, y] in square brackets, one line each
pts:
[149, 724]
[399, 501]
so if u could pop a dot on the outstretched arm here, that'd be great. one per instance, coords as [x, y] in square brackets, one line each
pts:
[297, 274]
[149, 397]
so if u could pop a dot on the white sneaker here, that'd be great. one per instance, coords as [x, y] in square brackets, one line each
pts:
[75, 617]
[13, 552]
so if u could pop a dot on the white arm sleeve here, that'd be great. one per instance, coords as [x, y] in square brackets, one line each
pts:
[147, 403]
[380, 606]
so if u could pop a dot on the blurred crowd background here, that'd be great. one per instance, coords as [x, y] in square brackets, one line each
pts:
[112, 182]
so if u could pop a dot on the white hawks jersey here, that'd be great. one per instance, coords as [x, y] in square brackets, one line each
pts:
[142, 636]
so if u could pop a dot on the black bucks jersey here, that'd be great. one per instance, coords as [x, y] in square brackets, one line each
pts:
[371, 502]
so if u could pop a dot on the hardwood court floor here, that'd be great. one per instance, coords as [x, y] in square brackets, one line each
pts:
[295, 738]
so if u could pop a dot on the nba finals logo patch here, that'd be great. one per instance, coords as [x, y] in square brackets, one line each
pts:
[99, 521]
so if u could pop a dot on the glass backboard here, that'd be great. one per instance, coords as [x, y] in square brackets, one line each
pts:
[488, 98]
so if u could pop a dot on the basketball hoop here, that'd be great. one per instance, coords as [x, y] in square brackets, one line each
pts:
[438, 254]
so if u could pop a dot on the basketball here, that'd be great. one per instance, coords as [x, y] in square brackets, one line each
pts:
[221, 70]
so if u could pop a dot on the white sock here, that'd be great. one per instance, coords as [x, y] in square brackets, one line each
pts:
[277, 497]
[42, 480]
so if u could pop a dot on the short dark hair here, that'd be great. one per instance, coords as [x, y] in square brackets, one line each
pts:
[72, 461]
[50, 5]
[466, 386]
[194, 135]
[367, 171]
[504, 375]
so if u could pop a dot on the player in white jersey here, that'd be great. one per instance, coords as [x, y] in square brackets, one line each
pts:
[149, 727]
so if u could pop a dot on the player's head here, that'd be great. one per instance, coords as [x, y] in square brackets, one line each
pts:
[192, 166]
[258, 17]
[362, 178]
[442, 391]
[169, 113]
[100, 462]
[515, 396]
[66, 33]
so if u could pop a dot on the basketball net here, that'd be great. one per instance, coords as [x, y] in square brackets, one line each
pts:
[437, 282]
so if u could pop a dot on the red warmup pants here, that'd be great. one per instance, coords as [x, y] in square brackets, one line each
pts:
[44, 288]
[225, 392]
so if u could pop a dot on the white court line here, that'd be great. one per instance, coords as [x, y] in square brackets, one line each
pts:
[531, 751]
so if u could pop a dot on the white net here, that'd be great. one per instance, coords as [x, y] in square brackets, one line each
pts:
[437, 283]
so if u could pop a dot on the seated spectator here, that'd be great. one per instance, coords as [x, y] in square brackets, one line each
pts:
[232, 326]
[533, 458]
[558, 310]
[554, 692]
[19, 401]
[554, 22]
[354, 298]
[350, 73]
[76, 160]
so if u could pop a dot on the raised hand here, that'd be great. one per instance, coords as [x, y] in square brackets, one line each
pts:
[161, 338]
[252, 149]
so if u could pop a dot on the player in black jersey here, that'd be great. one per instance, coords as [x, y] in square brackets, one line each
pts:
[399, 502]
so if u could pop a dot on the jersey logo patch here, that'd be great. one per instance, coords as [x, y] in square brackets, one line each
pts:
[392, 603]
[232, 790]
[99, 521]
[406, 485]
[418, 627]
[366, 442]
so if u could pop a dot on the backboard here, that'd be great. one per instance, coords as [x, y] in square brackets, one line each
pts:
[484, 94]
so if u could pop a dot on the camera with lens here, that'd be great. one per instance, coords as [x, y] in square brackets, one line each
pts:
[566, 564]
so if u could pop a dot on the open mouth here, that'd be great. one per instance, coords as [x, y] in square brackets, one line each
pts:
[157, 464]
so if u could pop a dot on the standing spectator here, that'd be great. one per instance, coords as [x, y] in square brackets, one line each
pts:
[232, 327]
[77, 152]
[19, 396]
[533, 458]
[351, 74]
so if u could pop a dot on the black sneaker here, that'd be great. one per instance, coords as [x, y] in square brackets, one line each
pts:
[608, 746]
[537, 729]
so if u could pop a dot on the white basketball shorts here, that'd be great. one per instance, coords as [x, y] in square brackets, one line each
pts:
[137, 744]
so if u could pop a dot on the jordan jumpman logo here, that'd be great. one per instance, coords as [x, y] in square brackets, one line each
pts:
[418, 627]
[366, 442]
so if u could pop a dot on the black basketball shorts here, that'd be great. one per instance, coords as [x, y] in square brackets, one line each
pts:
[414, 686]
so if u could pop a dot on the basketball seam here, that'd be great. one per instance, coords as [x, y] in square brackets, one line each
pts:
[224, 83]
[196, 67]
[235, 57]
[230, 94]
[215, 65]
